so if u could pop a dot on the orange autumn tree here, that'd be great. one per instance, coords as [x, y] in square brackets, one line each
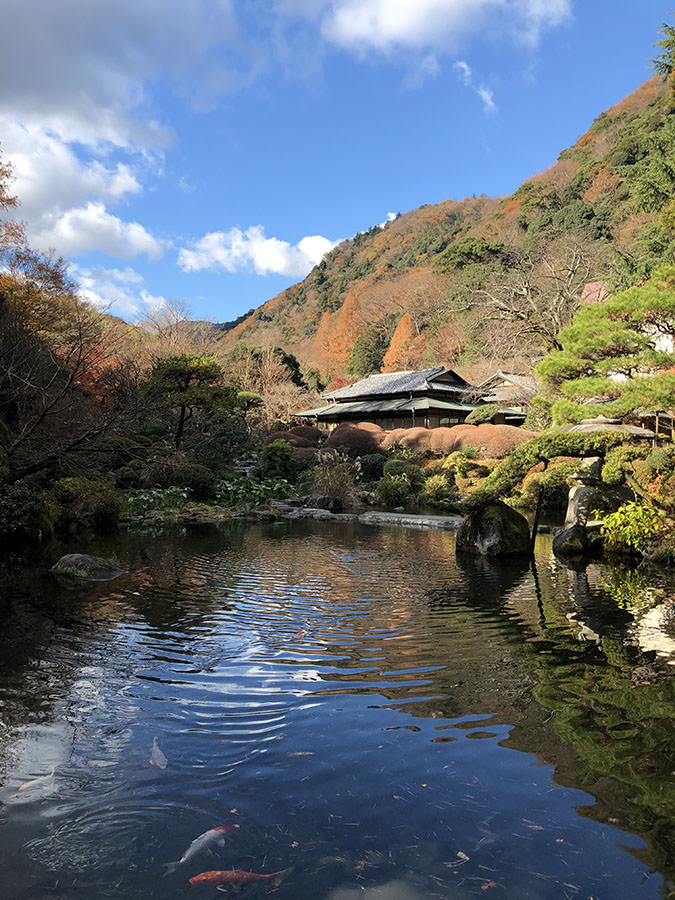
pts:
[403, 351]
[348, 324]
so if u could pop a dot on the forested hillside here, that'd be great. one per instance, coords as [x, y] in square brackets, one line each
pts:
[490, 282]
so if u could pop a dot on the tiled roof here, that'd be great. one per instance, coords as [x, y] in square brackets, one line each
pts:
[392, 383]
[372, 407]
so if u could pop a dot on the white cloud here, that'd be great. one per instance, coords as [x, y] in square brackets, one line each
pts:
[390, 218]
[463, 71]
[119, 291]
[237, 250]
[90, 63]
[390, 25]
[487, 97]
[92, 228]
[50, 178]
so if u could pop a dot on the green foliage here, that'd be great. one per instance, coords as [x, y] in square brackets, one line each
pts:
[178, 470]
[237, 490]
[551, 485]
[188, 383]
[617, 463]
[662, 459]
[85, 503]
[509, 473]
[482, 414]
[413, 473]
[632, 527]
[140, 501]
[621, 336]
[20, 506]
[538, 416]
[461, 462]
[393, 489]
[335, 475]
[372, 466]
[439, 490]
[277, 460]
[664, 62]
[369, 348]
[470, 250]
[248, 400]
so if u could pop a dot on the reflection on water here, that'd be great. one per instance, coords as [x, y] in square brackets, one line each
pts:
[376, 718]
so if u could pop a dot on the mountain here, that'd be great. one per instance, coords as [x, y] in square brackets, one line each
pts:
[489, 282]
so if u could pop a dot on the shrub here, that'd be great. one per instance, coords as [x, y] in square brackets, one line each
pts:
[438, 491]
[238, 489]
[551, 484]
[157, 498]
[414, 439]
[277, 460]
[662, 459]
[462, 463]
[295, 440]
[130, 475]
[538, 415]
[20, 506]
[412, 472]
[356, 440]
[632, 527]
[372, 465]
[335, 475]
[482, 414]
[618, 461]
[393, 490]
[177, 470]
[84, 503]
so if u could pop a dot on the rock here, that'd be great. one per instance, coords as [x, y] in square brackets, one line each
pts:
[570, 540]
[86, 568]
[496, 530]
[332, 504]
[590, 469]
[584, 498]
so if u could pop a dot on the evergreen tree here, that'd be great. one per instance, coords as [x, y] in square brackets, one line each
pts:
[621, 351]
[187, 383]
[664, 62]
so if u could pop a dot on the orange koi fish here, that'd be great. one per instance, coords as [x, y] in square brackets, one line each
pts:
[234, 879]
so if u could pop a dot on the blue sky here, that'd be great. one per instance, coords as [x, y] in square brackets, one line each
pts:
[212, 151]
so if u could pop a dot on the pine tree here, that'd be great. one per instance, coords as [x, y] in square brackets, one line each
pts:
[621, 350]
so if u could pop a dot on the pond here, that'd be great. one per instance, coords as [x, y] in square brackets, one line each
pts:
[378, 719]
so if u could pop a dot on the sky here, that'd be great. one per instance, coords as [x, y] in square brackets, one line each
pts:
[212, 151]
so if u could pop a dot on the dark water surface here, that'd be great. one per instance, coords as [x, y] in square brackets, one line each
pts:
[375, 717]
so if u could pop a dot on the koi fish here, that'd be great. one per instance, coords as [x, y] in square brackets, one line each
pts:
[36, 781]
[233, 879]
[157, 758]
[213, 837]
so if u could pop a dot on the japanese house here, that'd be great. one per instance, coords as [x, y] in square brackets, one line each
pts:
[426, 397]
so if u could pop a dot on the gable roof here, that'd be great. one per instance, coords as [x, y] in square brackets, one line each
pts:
[400, 382]
[527, 383]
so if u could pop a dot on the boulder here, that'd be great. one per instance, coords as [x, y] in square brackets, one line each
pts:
[496, 530]
[584, 498]
[86, 568]
[577, 540]
[332, 504]
[571, 540]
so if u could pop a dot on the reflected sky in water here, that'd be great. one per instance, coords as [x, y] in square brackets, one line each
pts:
[379, 720]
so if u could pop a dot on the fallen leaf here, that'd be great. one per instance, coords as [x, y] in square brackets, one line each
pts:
[488, 884]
